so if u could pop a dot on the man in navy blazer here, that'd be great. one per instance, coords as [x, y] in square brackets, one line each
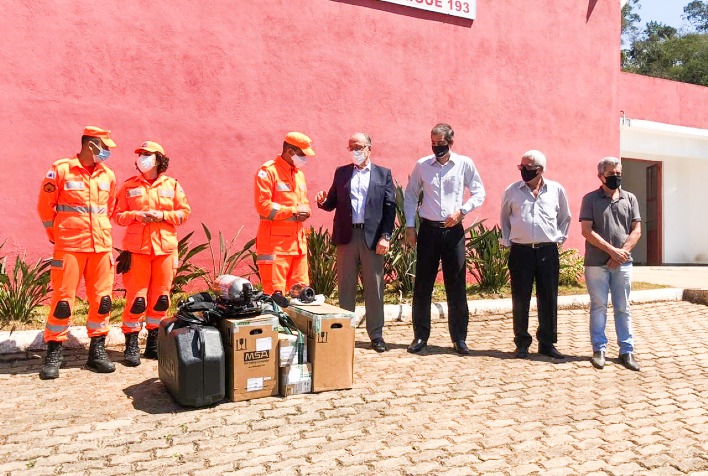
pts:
[364, 199]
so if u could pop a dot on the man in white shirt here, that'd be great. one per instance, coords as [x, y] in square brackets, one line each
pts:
[441, 178]
[535, 218]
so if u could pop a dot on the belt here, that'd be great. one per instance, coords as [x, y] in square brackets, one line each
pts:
[535, 245]
[358, 226]
[431, 223]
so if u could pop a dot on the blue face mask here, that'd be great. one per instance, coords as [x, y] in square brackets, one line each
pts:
[102, 155]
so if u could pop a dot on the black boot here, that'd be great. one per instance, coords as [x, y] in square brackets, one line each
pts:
[52, 361]
[132, 351]
[151, 346]
[98, 358]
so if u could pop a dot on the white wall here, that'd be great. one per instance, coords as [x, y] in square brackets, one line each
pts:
[684, 154]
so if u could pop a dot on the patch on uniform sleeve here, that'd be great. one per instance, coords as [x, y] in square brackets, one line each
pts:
[49, 187]
[51, 174]
[262, 174]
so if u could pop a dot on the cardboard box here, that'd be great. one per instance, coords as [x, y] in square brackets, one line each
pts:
[251, 348]
[295, 379]
[288, 349]
[330, 344]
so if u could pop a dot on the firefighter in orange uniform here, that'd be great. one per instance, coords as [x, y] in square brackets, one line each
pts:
[151, 205]
[76, 201]
[281, 201]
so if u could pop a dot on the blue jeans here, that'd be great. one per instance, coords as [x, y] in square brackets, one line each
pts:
[600, 280]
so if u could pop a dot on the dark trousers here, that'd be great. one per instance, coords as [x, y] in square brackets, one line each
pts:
[435, 245]
[526, 265]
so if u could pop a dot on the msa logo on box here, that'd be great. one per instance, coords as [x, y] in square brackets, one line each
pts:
[256, 356]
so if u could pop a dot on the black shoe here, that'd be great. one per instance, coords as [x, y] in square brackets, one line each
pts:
[598, 359]
[628, 361]
[52, 361]
[461, 348]
[151, 345]
[521, 353]
[98, 358]
[550, 351]
[132, 351]
[379, 345]
[417, 345]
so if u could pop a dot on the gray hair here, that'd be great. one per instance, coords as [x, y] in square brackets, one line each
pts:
[366, 137]
[607, 161]
[444, 129]
[537, 157]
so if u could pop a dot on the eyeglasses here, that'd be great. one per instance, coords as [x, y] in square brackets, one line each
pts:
[528, 167]
[357, 147]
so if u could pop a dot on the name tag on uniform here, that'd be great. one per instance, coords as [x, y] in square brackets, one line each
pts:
[135, 192]
[282, 187]
[166, 193]
[105, 186]
[73, 185]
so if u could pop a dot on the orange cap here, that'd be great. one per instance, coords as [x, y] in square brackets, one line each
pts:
[150, 146]
[300, 140]
[104, 135]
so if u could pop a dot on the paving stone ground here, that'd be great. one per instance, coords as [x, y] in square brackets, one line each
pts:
[435, 413]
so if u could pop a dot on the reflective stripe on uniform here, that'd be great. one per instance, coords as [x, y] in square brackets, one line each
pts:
[276, 207]
[132, 324]
[270, 219]
[180, 216]
[282, 187]
[56, 263]
[265, 258]
[80, 209]
[96, 325]
[48, 224]
[53, 328]
[153, 320]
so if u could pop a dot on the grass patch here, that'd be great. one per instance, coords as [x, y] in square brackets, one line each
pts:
[390, 297]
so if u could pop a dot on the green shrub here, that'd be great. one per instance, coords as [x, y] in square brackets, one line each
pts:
[187, 271]
[322, 261]
[571, 267]
[22, 290]
[225, 261]
[486, 258]
[399, 262]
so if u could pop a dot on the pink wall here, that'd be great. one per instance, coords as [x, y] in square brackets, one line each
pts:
[220, 83]
[661, 100]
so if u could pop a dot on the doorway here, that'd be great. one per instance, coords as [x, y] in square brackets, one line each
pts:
[644, 179]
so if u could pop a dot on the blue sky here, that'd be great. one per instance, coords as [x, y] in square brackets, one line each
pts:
[665, 11]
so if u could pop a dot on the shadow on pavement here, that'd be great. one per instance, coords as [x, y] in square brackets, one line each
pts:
[151, 396]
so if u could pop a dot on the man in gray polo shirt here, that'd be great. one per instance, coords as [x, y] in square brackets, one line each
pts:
[611, 226]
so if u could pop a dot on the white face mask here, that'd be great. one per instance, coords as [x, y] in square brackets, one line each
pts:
[299, 161]
[146, 162]
[358, 157]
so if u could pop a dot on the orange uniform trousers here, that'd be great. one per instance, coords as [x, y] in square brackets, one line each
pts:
[147, 290]
[283, 272]
[67, 269]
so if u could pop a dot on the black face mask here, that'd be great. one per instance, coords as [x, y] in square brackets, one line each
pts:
[528, 175]
[440, 151]
[613, 182]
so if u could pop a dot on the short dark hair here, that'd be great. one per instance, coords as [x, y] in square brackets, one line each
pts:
[287, 147]
[86, 139]
[444, 129]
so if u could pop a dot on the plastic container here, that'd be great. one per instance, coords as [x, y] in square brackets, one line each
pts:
[191, 362]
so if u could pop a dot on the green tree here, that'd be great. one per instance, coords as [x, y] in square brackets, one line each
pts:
[696, 14]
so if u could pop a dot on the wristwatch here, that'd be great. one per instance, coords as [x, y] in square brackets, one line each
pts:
[462, 210]
[386, 236]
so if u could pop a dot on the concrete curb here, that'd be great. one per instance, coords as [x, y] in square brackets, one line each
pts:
[22, 341]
